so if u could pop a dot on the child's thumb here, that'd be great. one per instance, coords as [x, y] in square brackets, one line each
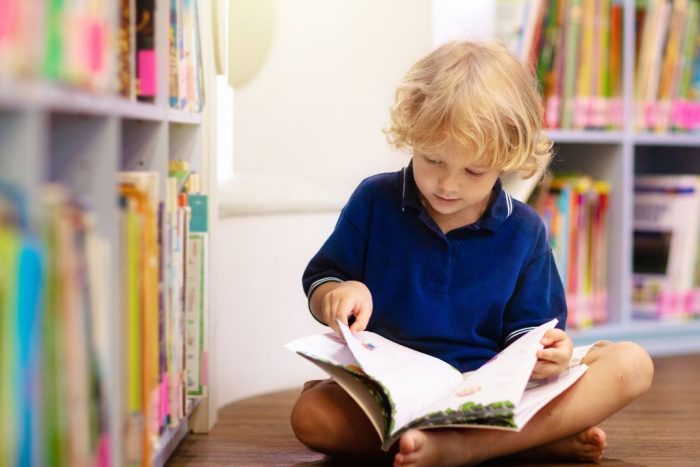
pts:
[361, 319]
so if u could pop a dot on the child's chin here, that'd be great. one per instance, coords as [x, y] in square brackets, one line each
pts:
[445, 210]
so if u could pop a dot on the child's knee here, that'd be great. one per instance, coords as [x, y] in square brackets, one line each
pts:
[304, 421]
[634, 368]
[642, 364]
[316, 417]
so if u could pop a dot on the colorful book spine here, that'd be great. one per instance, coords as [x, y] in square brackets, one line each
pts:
[146, 63]
[575, 212]
[186, 90]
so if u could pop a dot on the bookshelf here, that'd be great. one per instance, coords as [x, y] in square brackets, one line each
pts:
[53, 132]
[617, 156]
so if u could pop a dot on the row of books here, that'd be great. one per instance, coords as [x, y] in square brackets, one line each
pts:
[666, 261]
[575, 48]
[54, 342]
[667, 79]
[575, 211]
[67, 41]
[72, 42]
[57, 387]
[163, 267]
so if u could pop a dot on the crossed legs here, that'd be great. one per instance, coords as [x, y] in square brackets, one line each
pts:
[327, 420]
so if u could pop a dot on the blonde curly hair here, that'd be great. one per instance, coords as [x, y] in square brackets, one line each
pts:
[477, 96]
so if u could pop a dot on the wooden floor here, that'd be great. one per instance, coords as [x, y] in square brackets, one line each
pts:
[660, 429]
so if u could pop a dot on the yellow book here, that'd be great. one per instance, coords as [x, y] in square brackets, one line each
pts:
[585, 73]
[669, 67]
[132, 232]
[142, 188]
[9, 244]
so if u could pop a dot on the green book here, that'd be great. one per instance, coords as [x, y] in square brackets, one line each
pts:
[199, 203]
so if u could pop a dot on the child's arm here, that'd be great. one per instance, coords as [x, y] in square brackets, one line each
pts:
[554, 358]
[341, 300]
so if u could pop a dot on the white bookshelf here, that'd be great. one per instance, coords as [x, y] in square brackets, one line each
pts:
[617, 156]
[50, 132]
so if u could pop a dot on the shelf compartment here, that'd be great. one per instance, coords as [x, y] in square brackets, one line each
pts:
[184, 143]
[603, 162]
[144, 146]
[667, 158]
[22, 149]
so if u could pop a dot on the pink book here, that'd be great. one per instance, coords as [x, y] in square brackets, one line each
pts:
[148, 84]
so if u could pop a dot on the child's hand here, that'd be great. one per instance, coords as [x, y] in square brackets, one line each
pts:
[349, 298]
[554, 358]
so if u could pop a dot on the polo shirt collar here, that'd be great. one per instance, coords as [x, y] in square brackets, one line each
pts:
[496, 213]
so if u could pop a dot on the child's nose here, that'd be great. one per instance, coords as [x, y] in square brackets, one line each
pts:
[449, 182]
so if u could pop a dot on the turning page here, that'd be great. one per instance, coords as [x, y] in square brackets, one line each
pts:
[412, 380]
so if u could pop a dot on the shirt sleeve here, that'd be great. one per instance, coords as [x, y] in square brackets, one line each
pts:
[538, 297]
[342, 256]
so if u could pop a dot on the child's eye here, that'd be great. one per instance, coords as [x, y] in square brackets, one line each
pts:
[432, 161]
[474, 173]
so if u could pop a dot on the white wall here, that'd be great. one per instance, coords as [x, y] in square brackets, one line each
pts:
[319, 103]
[261, 305]
[316, 109]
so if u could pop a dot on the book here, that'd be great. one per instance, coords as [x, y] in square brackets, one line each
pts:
[666, 227]
[195, 295]
[146, 63]
[400, 388]
[126, 69]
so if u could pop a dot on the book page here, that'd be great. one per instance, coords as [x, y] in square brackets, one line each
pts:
[539, 393]
[498, 416]
[413, 380]
[325, 347]
[501, 379]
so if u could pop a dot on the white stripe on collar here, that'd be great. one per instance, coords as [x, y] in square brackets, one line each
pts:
[509, 203]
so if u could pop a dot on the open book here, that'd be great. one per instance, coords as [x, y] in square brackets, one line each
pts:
[399, 388]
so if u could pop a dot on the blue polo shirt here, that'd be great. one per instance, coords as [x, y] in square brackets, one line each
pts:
[461, 296]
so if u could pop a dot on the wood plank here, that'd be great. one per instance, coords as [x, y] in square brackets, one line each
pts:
[662, 428]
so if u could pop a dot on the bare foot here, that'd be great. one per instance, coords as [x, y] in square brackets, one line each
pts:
[587, 445]
[413, 450]
[429, 448]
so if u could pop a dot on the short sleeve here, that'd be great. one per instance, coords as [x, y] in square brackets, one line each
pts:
[342, 256]
[538, 297]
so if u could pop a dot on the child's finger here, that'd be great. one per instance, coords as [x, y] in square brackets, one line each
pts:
[338, 312]
[361, 318]
[550, 355]
[544, 369]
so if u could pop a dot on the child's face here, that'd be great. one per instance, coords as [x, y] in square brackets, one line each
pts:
[455, 190]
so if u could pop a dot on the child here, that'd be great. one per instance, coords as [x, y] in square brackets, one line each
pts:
[439, 258]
